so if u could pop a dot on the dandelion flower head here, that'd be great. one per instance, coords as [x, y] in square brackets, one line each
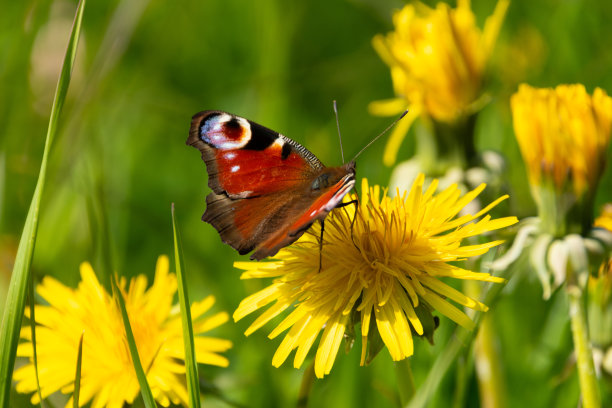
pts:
[437, 58]
[379, 264]
[563, 134]
[605, 218]
[108, 378]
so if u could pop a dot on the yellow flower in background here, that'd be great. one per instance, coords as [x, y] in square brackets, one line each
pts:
[599, 302]
[381, 264]
[107, 374]
[605, 219]
[563, 134]
[437, 58]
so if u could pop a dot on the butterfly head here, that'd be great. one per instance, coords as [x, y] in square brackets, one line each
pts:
[330, 176]
[333, 183]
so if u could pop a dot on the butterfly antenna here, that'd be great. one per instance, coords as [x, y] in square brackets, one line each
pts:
[338, 127]
[382, 133]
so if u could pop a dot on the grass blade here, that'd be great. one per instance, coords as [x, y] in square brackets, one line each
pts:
[33, 331]
[15, 300]
[97, 214]
[190, 358]
[77, 376]
[145, 390]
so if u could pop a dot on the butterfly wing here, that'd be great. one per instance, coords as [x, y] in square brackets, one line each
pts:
[263, 196]
[245, 159]
[302, 213]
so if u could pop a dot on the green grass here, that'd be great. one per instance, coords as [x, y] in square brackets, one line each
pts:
[120, 159]
[193, 383]
[77, 376]
[141, 372]
[17, 290]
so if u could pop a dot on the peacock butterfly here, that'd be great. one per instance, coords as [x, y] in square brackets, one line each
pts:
[267, 189]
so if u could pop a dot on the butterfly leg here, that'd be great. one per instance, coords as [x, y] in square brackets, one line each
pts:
[356, 203]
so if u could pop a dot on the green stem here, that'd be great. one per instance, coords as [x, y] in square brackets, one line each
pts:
[464, 373]
[486, 359]
[441, 146]
[488, 368]
[457, 343]
[563, 212]
[582, 349]
[405, 380]
[308, 380]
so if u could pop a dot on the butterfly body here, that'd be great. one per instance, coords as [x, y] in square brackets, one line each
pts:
[267, 189]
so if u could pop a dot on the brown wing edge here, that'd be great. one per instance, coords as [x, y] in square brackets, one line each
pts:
[220, 214]
[239, 225]
[263, 252]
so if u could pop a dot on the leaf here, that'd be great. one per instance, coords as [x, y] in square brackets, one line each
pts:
[190, 358]
[375, 342]
[77, 376]
[15, 300]
[145, 390]
[428, 320]
[33, 331]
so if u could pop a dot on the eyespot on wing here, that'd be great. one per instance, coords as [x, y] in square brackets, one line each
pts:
[225, 132]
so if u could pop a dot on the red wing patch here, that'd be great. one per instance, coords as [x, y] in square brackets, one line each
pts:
[247, 173]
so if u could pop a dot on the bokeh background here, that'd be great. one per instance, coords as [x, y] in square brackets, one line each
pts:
[120, 159]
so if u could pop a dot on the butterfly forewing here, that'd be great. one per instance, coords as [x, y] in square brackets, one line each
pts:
[245, 159]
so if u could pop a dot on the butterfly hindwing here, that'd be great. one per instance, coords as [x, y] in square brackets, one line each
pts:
[305, 212]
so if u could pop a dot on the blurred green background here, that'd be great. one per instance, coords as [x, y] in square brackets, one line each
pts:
[120, 159]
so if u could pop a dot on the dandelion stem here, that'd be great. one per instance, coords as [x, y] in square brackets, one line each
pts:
[582, 349]
[308, 379]
[441, 146]
[486, 359]
[464, 373]
[405, 380]
[490, 374]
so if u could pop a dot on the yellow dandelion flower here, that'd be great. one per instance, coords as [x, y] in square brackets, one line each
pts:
[563, 134]
[605, 219]
[437, 59]
[380, 263]
[600, 291]
[599, 301]
[108, 378]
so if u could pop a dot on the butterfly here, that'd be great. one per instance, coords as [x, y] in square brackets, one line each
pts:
[267, 189]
